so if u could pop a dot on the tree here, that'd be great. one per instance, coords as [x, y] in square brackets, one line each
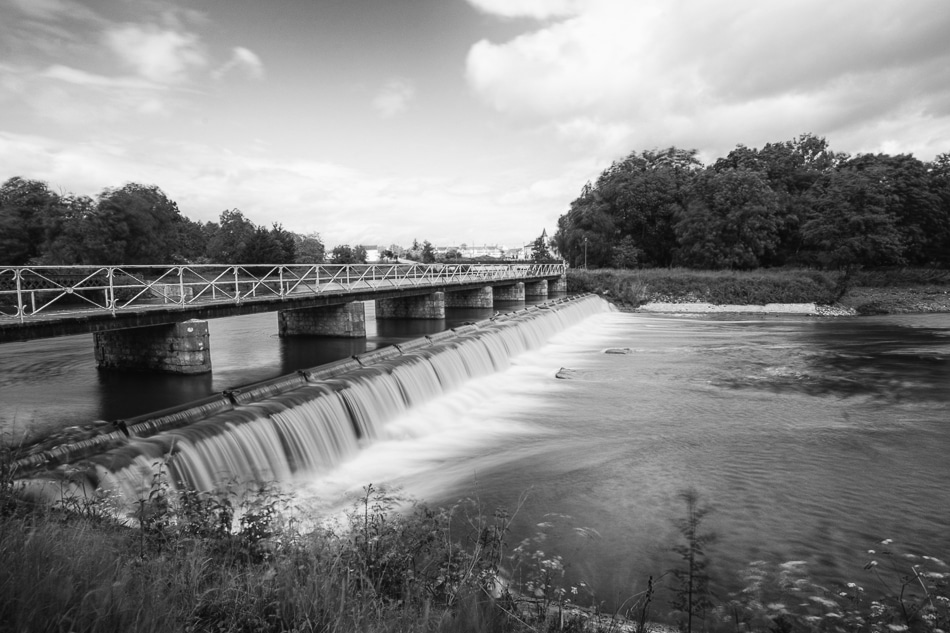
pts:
[231, 239]
[910, 197]
[692, 595]
[428, 253]
[626, 254]
[28, 212]
[309, 249]
[138, 224]
[790, 168]
[731, 222]
[73, 236]
[345, 254]
[939, 171]
[849, 223]
[638, 197]
[192, 240]
[539, 247]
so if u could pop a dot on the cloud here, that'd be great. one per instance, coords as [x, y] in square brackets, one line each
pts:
[610, 73]
[242, 59]
[345, 205]
[83, 78]
[394, 97]
[54, 9]
[159, 55]
[538, 9]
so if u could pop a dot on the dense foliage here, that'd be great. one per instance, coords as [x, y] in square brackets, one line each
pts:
[788, 203]
[134, 224]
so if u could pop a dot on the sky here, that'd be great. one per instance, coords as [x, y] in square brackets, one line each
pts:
[453, 121]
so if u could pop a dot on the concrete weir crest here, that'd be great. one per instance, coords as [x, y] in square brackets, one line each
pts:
[104, 436]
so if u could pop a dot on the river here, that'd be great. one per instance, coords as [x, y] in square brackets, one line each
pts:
[811, 439]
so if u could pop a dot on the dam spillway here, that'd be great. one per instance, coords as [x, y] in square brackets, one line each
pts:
[303, 423]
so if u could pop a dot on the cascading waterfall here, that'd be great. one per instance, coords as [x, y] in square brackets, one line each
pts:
[313, 427]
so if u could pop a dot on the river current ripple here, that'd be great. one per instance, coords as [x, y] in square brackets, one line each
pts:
[811, 439]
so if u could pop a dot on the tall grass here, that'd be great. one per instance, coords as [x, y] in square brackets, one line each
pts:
[219, 562]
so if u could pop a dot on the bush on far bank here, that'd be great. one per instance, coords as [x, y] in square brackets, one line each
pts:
[679, 285]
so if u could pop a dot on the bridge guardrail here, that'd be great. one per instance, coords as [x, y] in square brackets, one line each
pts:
[32, 292]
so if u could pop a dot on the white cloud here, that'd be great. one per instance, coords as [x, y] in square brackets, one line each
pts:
[242, 59]
[610, 73]
[538, 9]
[394, 97]
[159, 55]
[54, 9]
[343, 204]
[83, 78]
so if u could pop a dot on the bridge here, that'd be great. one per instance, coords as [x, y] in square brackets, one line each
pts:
[154, 318]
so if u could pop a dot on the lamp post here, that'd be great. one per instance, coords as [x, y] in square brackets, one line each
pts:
[585, 253]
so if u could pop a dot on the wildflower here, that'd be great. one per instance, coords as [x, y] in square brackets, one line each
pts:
[823, 601]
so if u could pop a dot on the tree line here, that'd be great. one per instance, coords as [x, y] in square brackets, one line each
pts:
[139, 224]
[789, 203]
[133, 224]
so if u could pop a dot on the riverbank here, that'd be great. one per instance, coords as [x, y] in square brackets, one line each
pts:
[779, 291]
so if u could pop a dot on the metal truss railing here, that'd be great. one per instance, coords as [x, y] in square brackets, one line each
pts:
[33, 292]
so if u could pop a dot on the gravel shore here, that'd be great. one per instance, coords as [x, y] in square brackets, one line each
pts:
[857, 301]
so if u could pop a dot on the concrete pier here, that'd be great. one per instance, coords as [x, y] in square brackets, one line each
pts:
[431, 306]
[536, 289]
[559, 285]
[514, 292]
[347, 320]
[175, 348]
[477, 298]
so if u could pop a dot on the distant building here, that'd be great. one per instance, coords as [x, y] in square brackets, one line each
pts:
[372, 252]
[482, 251]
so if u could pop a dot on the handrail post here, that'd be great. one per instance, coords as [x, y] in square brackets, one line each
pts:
[19, 295]
[181, 285]
[110, 292]
[280, 275]
[237, 286]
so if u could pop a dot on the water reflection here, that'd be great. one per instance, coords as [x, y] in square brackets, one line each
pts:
[51, 383]
[868, 357]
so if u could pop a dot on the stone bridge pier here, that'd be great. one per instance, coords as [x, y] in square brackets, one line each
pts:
[476, 298]
[513, 292]
[430, 306]
[347, 320]
[536, 289]
[177, 348]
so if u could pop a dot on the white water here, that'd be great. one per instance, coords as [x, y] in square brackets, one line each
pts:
[322, 427]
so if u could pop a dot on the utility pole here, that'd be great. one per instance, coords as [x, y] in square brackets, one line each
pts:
[585, 253]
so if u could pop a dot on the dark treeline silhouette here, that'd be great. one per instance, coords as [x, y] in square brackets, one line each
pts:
[134, 224]
[789, 203]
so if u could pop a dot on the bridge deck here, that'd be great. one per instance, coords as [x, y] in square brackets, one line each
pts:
[42, 302]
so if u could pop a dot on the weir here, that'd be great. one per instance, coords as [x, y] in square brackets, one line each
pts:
[298, 424]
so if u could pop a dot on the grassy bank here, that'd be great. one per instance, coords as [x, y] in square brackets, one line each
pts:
[241, 562]
[867, 292]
